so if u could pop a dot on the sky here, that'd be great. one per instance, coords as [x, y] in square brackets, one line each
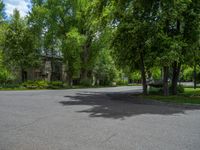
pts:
[21, 5]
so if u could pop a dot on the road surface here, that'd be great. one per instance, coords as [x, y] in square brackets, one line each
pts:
[94, 119]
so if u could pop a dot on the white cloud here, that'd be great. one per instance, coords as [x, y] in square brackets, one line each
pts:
[21, 5]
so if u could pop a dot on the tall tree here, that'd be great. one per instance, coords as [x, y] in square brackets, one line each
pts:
[133, 36]
[19, 47]
[2, 12]
[71, 52]
[192, 34]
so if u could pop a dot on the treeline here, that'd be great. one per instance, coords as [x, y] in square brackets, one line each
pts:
[58, 29]
[157, 33]
[99, 38]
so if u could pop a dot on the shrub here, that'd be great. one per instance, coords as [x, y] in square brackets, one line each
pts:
[122, 82]
[86, 82]
[135, 76]
[42, 84]
[159, 90]
[180, 89]
[155, 90]
[30, 84]
[55, 85]
[6, 76]
[10, 85]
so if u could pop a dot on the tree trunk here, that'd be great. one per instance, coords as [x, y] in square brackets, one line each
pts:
[165, 81]
[176, 72]
[22, 75]
[70, 80]
[84, 71]
[195, 75]
[143, 73]
[84, 74]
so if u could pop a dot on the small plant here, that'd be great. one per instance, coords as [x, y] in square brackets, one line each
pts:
[30, 84]
[55, 85]
[42, 84]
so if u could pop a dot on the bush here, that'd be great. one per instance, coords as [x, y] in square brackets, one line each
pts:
[122, 82]
[42, 84]
[10, 85]
[31, 85]
[159, 90]
[86, 82]
[55, 85]
[180, 89]
[6, 76]
[135, 76]
[155, 91]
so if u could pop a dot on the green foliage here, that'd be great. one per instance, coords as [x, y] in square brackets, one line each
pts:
[135, 76]
[191, 92]
[86, 82]
[42, 84]
[188, 73]
[19, 47]
[72, 51]
[35, 84]
[56, 85]
[158, 90]
[6, 76]
[155, 91]
[180, 89]
[104, 68]
[122, 82]
[93, 36]
[175, 99]
[156, 73]
[2, 13]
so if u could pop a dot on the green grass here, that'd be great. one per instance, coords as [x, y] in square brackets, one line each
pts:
[190, 96]
[192, 92]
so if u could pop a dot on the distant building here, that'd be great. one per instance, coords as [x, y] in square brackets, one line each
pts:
[50, 69]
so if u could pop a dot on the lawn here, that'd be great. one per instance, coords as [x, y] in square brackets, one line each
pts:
[190, 96]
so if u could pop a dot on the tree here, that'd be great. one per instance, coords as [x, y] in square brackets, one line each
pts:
[49, 22]
[192, 34]
[147, 28]
[105, 71]
[172, 38]
[72, 51]
[2, 12]
[133, 36]
[19, 47]
[57, 19]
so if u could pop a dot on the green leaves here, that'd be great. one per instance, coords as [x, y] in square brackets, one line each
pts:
[72, 48]
[19, 49]
[2, 13]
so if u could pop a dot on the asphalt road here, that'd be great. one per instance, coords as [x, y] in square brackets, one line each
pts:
[94, 119]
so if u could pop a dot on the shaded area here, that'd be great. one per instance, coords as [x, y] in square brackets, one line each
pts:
[121, 105]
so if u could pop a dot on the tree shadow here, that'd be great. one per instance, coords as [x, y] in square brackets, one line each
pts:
[121, 105]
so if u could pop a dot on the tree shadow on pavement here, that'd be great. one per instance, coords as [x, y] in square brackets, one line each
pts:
[121, 105]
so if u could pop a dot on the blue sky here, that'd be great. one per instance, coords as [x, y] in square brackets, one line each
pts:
[21, 5]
